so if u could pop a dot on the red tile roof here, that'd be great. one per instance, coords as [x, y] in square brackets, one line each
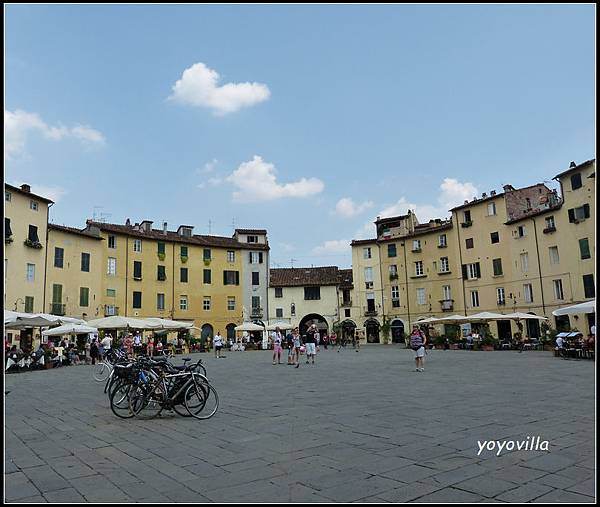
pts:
[298, 277]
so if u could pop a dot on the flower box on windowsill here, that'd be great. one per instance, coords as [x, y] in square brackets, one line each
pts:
[416, 250]
[419, 276]
[549, 230]
[32, 244]
[466, 224]
[161, 256]
[184, 259]
[207, 262]
[394, 276]
[442, 246]
[137, 278]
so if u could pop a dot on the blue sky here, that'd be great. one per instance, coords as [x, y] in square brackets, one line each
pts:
[308, 121]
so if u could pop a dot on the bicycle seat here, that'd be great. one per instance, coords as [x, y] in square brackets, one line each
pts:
[184, 359]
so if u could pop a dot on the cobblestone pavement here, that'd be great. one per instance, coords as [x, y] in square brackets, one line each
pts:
[354, 427]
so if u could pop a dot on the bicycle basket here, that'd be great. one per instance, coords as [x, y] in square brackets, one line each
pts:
[124, 370]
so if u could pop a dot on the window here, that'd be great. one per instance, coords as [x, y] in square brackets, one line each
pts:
[85, 262]
[7, 229]
[112, 242]
[558, 289]
[497, 266]
[137, 299]
[369, 275]
[528, 203]
[392, 250]
[550, 223]
[207, 276]
[446, 293]
[30, 272]
[230, 256]
[160, 301]
[495, 237]
[474, 298]
[279, 312]
[367, 253]
[528, 291]
[28, 304]
[112, 266]
[576, 181]
[84, 296]
[183, 275]
[469, 243]
[231, 303]
[231, 277]
[588, 286]
[444, 265]
[137, 270]
[59, 257]
[471, 271]
[524, 262]
[161, 274]
[395, 296]
[419, 268]
[393, 271]
[346, 312]
[293, 309]
[33, 205]
[256, 302]
[521, 233]
[278, 292]
[56, 293]
[584, 248]
[255, 279]
[500, 296]
[137, 245]
[420, 296]
[7, 196]
[256, 257]
[371, 302]
[33, 235]
[206, 255]
[111, 293]
[578, 214]
[183, 251]
[442, 240]
[491, 208]
[183, 303]
[252, 239]
[161, 248]
[554, 257]
[312, 293]
[206, 303]
[467, 216]
[416, 245]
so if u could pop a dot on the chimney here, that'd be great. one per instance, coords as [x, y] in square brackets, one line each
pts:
[573, 164]
[128, 222]
[25, 188]
[466, 201]
[164, 227]
[484, 195]
[508, 188]
[493, 192]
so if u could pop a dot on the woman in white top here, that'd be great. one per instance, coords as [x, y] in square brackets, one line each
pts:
[277, 338]
[218, 343]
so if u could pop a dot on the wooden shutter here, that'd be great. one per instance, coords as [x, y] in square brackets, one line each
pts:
[586, 210]
[237, 277]
[464, 272]
[571, 215]
[477, 270]
[260, 254]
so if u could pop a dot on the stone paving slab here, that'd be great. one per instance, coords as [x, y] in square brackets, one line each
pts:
[319, 433]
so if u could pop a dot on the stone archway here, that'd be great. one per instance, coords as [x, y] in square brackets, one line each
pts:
[230, 328]
[313, 318]
[372, 327]
[207, 332]
[348, 330]
[397, 331]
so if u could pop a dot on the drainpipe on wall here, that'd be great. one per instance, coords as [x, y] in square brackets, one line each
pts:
[537, 249]
[462, 279]
[126, 270]
[407, 288]
[46, 260]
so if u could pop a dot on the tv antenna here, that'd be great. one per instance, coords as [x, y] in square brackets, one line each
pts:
[292, 261]
[209, 227]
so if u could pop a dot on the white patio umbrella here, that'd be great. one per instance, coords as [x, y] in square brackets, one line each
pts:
[522, 316]
[119, 322]
[69, 329]
[280, 325]
[586, 307]
[428, 320]
[486, 316]
[169, 324]
[453, 319]
[249, 326]
[17, 320]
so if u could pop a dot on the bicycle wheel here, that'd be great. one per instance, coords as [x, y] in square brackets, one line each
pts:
[119, 401]
[102, 372]
[146, 402]
[202, 401]
[110, 382]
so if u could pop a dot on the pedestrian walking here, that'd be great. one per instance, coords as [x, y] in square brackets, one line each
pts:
[150, 348]
[218, 343]
[94, 351]
[325, 340]
[297, 343]
[106, 344]
[137, 343]
[311, 343]
[417, 343]
[128, 343]
[289, 340]
[277, 338]
[356, 342]
[87, 348]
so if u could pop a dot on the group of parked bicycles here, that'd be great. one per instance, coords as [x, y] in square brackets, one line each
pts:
[144, 387]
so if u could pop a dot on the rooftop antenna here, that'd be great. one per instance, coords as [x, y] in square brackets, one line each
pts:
[233, 224]
[292, 261]
[95, 214]
[209, 226]
[104, 216]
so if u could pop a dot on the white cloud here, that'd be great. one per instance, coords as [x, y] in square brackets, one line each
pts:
[256, 181]
[334, 246]
[347, 208]
[209, 167]
[19, 124]
[198, 87]
[452, 193]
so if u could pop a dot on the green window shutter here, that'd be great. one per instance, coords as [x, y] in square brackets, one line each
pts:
[237, 277]
[584, 248]
[56, 293]
[84, 296]
[28, 304]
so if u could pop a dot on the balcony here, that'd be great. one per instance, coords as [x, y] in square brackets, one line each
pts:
[447, 305]
[370, 313]
[58, 308]
[416, 250]
[502, 302]
[549, 230]
[468, 223]
[256, 313]
[32, 243]
[442, 246]
[8, 238]
[346, 302]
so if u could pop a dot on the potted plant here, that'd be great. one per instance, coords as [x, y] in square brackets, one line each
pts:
[385, 330]
[488, 342]
[184, 259]
[161, 256]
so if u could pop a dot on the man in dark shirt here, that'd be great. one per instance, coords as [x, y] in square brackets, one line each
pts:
[310, 342]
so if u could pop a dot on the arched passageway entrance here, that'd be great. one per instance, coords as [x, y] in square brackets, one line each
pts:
[313, 318]
[372, 331]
